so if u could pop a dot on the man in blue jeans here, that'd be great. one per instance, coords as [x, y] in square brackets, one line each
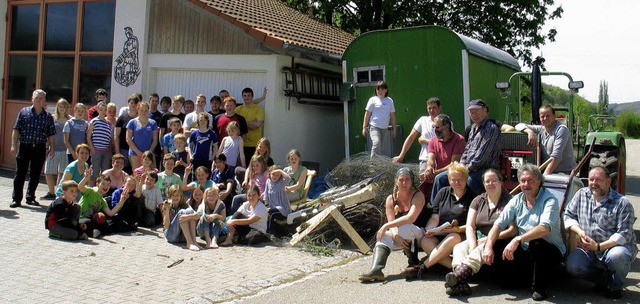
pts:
[603, 221]
[482, 151]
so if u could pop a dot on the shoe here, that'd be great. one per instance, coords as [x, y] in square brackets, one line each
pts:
[462, 289]
[15, 204]
[33, 203]
[414, 272]
[48, 196]
[450, 279]
[96, 233]
[614, 294]
[599, 287]
[539, 295]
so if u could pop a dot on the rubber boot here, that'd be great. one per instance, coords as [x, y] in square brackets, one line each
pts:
[412, 257]
[380, 255]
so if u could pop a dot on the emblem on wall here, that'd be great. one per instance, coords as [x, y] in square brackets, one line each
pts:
[127, 66]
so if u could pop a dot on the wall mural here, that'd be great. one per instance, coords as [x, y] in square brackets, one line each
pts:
[127, 67]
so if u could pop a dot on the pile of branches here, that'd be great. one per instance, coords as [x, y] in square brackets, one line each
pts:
[366, 218]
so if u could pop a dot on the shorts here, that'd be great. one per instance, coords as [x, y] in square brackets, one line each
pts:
[57, 164]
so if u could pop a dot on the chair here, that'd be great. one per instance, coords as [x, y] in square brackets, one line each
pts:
[307, 185]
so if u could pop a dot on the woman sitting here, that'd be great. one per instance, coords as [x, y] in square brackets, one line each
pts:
[450, 208]
[484, 210]
[406, 213]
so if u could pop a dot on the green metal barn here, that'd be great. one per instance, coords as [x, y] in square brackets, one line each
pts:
[418, 63]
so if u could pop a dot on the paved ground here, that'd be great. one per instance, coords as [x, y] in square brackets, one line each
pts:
[133, 267]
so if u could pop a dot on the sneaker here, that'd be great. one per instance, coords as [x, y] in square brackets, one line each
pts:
[33, 203]
[48, 196]
[96, 233]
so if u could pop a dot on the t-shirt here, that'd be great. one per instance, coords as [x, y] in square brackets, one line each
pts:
[191, 121]
[142, 135]
[102, 135]
[196, 183]
[75, 175]
[167, 141]
[77, 129]
[59, 136]
[485, 217]
[165, 181]
[223, 120]
[116, 182]
[91, 202]
[251, 113]
[449, 208]
[260, 210]
[165, 119]
[152, 197]
[381, 109]
[202, 143]
[444, 151]
[424, 126]
[203, 210]
[122, 123]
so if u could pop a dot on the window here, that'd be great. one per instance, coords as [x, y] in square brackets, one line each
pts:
[368, 76]
[65, 48]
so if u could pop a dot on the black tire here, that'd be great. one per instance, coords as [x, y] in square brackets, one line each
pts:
[612, 158]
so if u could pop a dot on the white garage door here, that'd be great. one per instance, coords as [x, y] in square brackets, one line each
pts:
[190, 83]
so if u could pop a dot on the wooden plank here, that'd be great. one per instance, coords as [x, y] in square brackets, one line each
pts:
[311, 224]
[352, 233]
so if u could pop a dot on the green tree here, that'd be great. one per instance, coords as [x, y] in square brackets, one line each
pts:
[628, 123]
[514, 26]
[603, 97]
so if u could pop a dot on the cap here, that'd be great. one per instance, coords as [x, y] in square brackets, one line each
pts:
[477, 104]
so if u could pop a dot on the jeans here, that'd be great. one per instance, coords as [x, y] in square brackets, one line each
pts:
[611, 268]
[214, 228]
[174, 233]
[539, 260]
[30, 158]
[442, 180]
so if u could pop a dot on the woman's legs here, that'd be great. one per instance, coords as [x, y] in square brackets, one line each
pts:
[440, 254]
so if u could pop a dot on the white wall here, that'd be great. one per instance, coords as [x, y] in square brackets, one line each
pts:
[133, 14]
[317, 131]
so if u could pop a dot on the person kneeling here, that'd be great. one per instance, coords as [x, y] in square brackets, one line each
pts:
[62, 217]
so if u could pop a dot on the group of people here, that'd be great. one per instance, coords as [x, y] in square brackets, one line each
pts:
[462, 217]
[214, 177]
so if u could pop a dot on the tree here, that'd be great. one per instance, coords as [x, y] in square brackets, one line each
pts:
[603, 97]
[514, 26]
[629, 123]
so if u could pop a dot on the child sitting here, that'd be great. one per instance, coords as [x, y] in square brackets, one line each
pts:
[148, 164]
[131, 212]
[62, 217]
[212, 217]
[275, 197]
[249, 224]
[93, 204]
[152, 201]
[202, 175]
[178, 217]
[223, 177]
[196, 197]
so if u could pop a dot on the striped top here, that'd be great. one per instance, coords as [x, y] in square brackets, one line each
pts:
[102, 135]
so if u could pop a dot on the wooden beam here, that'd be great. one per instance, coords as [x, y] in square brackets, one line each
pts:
[311, 224]
[352, 233]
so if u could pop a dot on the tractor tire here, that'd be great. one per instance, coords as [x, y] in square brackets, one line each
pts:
[614, 159]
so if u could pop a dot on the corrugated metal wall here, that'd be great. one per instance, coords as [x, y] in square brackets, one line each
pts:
[190, 83]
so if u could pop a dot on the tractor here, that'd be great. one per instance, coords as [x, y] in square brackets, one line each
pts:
[603, 145]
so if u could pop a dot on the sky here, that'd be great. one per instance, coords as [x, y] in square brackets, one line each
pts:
[597, 40]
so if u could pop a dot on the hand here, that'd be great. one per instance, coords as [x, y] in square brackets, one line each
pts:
[211, 218]
[428, 233]
[429, 173]
[74, 155]
[487, 255]
[52, 153]
[450, 230]
[532, 140]
[380, 233]
[405, 244]
[245, 185]
[587, 243]
[87, 171]
[179, 163]
[231, 222]
[507, 254]
[393, 132]
[188, 169]
[14, 151]
[364, 131]
[396, 159]
[264, 92]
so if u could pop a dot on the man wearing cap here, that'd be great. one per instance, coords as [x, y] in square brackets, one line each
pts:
[424, 128]
[603, 221]
[32, 139]
[555, 138]
[482, 150]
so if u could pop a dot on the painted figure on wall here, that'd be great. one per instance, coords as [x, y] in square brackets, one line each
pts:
[127, 66]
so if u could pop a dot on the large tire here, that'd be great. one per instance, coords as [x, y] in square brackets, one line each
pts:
[614, 159]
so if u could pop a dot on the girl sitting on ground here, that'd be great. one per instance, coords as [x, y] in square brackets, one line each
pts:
[179, 220]
[196, 198]
[249, 225]
[212, 217]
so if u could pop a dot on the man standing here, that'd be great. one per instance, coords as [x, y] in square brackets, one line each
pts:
[538, 245]
[254, 115]
[603, 221]
[424, 128]
[555, 138]
[482, 151]
[33, 137]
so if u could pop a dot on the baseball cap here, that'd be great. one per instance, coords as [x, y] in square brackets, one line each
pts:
[477, 104]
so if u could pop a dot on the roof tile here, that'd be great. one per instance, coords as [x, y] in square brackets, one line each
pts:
[280, 23]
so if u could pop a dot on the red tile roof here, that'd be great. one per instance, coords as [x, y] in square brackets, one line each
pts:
[275, 24]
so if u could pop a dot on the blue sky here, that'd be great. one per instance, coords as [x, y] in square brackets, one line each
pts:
[597, 40]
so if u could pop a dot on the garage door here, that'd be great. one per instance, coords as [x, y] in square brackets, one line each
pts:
[190, 83]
